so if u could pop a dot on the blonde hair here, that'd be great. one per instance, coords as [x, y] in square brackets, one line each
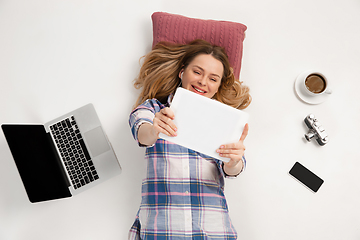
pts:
[159, 74]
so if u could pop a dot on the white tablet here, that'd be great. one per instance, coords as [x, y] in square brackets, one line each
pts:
[205, 124]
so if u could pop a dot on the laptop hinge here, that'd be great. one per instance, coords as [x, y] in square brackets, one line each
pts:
[58, 160]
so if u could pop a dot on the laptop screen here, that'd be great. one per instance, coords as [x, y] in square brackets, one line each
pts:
[38, 164]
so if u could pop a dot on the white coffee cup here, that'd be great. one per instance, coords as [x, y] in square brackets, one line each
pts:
[314, 83]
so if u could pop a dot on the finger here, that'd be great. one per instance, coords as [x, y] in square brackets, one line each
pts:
[245, 132]
[168, 112]
[165, 131]
[227, 152]
[168, 115]
[164, 127]
[237, 146]
[235, 154]
[168, 121]
[236, 158]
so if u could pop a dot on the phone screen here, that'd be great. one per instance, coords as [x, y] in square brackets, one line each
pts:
[305, 176]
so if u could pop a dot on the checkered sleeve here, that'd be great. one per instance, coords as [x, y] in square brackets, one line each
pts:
[144, 113]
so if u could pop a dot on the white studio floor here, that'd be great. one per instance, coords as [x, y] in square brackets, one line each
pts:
[89, 51]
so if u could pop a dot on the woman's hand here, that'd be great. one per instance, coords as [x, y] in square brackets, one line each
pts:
[234, 151]
[163, 123]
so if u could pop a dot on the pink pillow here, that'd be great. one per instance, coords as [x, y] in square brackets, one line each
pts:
[179, 29]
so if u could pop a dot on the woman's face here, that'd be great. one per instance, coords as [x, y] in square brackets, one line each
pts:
[202, 75]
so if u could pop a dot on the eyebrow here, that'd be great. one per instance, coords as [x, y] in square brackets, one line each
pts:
[214, 74]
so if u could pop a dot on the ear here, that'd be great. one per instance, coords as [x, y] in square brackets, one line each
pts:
[181, 73]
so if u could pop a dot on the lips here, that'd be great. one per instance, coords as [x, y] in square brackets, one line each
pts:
[198, 90]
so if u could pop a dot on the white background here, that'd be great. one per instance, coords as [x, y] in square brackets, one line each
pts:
[89, 51]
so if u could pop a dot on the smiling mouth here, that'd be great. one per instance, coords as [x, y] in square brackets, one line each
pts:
[197, 90]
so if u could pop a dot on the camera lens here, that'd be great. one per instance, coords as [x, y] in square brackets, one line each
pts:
[309, 136]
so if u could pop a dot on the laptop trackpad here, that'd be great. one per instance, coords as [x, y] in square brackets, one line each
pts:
[96, 141]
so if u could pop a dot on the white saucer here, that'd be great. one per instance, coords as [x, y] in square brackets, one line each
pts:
[304, 96]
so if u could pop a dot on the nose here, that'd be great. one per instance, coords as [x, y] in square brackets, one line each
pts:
[202, 81]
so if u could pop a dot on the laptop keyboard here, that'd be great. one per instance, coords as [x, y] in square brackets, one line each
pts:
[74, 153]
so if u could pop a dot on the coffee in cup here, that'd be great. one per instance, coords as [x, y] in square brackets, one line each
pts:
[315, 83]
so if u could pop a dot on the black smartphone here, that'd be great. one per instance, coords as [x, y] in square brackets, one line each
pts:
[305, 176]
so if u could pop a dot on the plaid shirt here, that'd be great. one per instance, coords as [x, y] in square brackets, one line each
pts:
[183, 192]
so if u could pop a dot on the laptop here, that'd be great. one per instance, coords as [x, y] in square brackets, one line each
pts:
[205, 124]
[63, 157]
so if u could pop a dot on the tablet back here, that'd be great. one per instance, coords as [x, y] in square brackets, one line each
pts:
[205, 124]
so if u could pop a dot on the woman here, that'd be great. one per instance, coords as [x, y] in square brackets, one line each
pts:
[183, 192]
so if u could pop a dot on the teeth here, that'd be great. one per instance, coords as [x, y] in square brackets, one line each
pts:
[199, 90]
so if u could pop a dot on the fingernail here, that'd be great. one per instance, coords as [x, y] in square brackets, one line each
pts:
[222, 146]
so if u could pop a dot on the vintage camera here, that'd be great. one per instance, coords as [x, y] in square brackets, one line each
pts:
[315, 130]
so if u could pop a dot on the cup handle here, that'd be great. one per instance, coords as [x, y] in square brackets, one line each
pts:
[328, 91]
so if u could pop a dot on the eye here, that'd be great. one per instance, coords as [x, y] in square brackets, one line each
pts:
[197, 72]
[214, 78]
